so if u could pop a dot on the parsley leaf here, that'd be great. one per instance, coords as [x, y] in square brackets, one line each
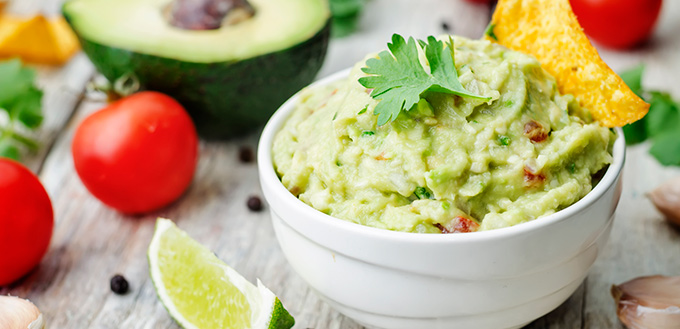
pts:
[20, 99]
[398, 79]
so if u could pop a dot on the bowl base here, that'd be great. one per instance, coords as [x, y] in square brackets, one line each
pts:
[516, 317]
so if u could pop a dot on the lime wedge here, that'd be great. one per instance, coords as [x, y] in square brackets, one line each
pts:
[202, 292]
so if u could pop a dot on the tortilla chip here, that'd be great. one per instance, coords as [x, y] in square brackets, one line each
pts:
[548, 29]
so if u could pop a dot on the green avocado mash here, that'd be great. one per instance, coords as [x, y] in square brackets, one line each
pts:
[451, 163]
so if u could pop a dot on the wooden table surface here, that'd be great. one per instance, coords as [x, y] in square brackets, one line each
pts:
[92, 242]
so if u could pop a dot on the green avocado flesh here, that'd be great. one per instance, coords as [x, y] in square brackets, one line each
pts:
[449, 161]
[230, 79]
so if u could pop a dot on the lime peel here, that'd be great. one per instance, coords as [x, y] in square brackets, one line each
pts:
[218, 296]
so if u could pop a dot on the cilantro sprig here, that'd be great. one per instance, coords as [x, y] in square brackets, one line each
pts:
[20, 99]
[661, 125]
[399, 80]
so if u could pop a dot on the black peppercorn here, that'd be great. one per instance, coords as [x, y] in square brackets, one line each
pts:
[119, 285]
[254, 203]
[246, 154]
[445, 27]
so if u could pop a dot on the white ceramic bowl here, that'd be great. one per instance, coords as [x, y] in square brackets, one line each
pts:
[503, 278]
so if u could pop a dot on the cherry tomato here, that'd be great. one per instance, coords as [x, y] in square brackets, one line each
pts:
[26, 221]
[138, 154]
[617, 23]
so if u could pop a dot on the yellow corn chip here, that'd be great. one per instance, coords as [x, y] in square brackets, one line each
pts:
[3, 4]
[548, 29]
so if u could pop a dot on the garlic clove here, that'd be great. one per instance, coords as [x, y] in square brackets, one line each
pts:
[649, 302]
[18, 313]
[666, 198]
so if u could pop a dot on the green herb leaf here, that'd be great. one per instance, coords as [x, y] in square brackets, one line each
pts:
[446, 205]
[14, 80]
[504, 140]
[489, 32]
[663, 115]
[363, 110]
[661, 124]
[422, 193]
[635, 132]
[21, 100]
[345, 16]
[398, 79]
[666, 148]
[26, 108]
[344, 8]
[8, 150]
[633, 78]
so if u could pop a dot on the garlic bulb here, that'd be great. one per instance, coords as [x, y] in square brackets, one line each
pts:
[666, 199]
[649, 302]
[18, 313]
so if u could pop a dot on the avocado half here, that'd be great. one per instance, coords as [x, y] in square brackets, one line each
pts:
[230, 79]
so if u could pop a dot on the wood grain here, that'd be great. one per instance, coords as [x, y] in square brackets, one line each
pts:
[91, 242]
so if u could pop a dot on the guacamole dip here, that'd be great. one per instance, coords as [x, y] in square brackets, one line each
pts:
[451, 163]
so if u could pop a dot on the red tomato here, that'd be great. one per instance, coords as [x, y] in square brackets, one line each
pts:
[617, 23]
[26, 221]
[137, 154]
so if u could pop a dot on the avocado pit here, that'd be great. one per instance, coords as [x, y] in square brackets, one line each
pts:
[208, 14]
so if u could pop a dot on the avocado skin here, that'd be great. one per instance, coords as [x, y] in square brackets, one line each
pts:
[225, 99]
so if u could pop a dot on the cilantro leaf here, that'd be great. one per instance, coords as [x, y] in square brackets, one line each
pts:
[8, 150]
[666, 148]
[661, 124]
[345, 16]
[635, 132]
[633, 78]
[14, 80]
[663, 114]
[344, 8]
[399, 80]
[26, 107]
[21, 100]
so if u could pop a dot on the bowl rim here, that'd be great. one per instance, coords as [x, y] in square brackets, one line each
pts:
[270, 179]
